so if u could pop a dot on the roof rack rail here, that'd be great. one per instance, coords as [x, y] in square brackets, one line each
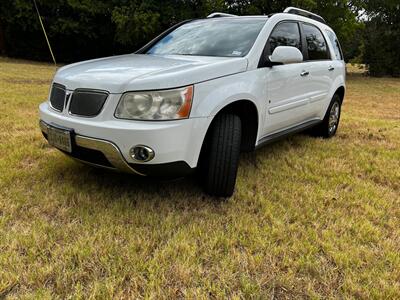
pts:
[304, 13]
[220, 15]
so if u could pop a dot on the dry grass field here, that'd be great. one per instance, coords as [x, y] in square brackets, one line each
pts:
[311, 218]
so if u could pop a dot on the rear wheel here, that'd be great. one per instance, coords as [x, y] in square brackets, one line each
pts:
[221, 159]
[328, 127]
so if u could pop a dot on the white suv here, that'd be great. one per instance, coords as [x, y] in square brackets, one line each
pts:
[198, 95]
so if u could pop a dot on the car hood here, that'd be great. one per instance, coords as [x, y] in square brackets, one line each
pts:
[131, 72]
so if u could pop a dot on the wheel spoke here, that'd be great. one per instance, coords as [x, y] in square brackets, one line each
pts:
[334, 117]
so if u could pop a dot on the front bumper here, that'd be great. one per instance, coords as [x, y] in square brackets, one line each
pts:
[177, 144]
[113, 158]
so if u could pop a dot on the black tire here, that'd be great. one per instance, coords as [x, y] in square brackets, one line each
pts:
[328, 127]
[220, 162]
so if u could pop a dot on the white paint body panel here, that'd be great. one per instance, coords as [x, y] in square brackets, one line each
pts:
[282, 97]
[134, 72]
[286, 55]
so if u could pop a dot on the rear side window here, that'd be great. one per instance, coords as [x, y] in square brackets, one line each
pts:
[284, 34]
[316, 44]
[336, 45]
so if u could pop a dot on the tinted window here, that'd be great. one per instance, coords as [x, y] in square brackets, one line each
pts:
[336, 45]
[284, 34]
[212, 37]
[316, 45]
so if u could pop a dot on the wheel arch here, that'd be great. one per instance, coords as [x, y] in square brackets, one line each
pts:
[248, 113]
[340, 91]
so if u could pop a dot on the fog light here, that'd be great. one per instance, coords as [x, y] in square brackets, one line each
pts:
[142, 153]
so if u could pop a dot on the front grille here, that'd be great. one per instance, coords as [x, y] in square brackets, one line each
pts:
[57, 96]
[87, 103]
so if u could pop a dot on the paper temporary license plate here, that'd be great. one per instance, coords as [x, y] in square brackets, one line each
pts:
[60, 138]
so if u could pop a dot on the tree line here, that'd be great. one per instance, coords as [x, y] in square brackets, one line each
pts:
[369, 30]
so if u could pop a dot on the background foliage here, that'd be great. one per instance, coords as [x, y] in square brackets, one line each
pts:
[83, 29]
[382, 37]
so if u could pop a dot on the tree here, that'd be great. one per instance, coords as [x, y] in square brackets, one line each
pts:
[382, 37]
[76, 29]
[83, 29]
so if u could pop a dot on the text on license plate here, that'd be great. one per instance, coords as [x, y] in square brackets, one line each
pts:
[59, 138]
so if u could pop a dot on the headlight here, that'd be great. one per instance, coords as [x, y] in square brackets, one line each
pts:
[156, 105]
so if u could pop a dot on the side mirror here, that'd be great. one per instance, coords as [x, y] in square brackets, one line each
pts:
[286, 55]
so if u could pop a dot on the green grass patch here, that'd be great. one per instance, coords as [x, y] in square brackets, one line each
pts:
[311, 218]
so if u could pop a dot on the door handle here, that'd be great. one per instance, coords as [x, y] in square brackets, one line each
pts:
[304, 73]
[331, 68]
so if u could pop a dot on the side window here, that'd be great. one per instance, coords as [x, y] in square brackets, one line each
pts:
[336, 45]
[316, 45]
[284, 34]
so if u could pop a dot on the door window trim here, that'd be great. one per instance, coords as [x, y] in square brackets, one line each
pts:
[264, 60]
[306, 46]
[335, 43]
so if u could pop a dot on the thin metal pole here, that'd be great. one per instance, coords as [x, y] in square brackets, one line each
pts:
[44, 31]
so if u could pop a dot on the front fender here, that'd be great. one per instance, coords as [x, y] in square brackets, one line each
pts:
[212, 96]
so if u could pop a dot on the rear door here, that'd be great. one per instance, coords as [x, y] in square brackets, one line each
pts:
[338, 65]
[320, 66]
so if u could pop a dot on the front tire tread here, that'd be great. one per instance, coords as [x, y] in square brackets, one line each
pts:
[223, 158]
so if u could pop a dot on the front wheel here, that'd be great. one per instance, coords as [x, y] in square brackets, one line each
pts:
[222, 157]
[329, 125]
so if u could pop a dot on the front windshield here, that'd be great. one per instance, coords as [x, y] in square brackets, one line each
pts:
[229, 37]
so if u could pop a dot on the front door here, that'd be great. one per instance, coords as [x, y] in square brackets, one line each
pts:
[287, 85]
[288, 97]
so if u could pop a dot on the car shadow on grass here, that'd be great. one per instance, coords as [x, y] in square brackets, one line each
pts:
[105, 185]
